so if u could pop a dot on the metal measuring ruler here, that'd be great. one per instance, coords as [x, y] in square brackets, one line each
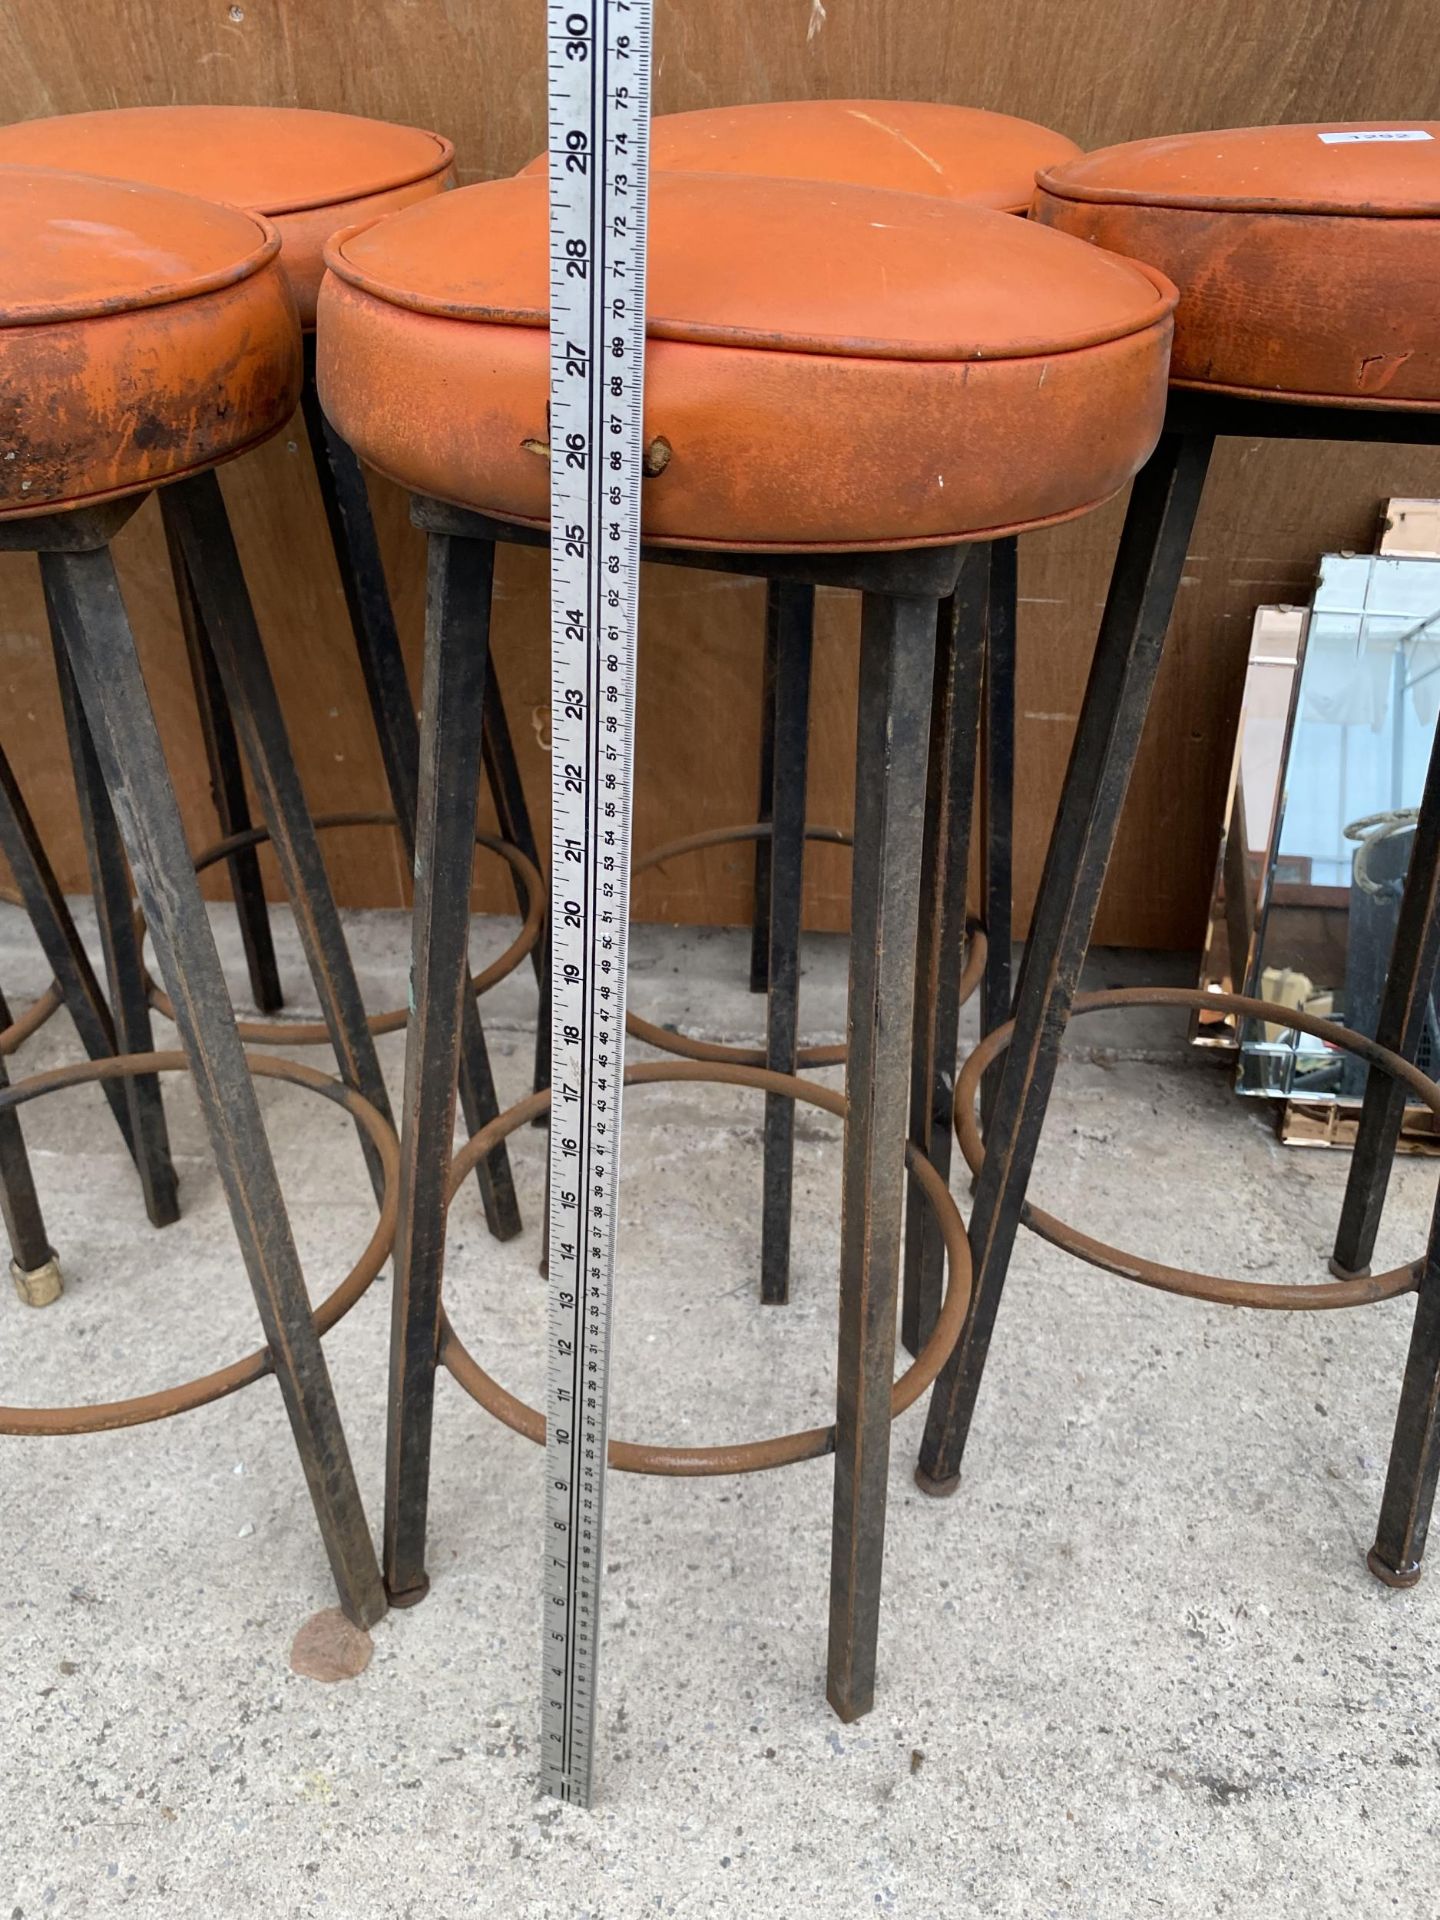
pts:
[599, 93]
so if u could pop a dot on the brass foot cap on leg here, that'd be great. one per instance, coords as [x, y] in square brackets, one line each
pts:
[1406, 1576]
[408, 1596]
[1337, 1272]
[936, 1489]
[41, 1286]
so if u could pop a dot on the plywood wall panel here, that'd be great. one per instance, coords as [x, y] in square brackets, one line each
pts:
[1103, 71]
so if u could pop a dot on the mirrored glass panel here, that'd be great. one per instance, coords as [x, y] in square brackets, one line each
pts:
[1242, 868]
[1354, 748]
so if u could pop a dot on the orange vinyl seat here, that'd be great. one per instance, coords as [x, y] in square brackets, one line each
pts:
[827, 366]
[910, 146]
[143, 335]
[311, 173]
[1307, 257]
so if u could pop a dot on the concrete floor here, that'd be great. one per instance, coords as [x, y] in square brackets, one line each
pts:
[1137, 1665]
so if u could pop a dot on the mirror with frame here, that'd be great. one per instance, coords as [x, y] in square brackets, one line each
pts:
[1340, 707]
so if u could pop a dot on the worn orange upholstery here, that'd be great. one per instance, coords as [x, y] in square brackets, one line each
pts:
[311, 173]
[143, 335]
[827, 366]
[912, 146]
[1307, 257]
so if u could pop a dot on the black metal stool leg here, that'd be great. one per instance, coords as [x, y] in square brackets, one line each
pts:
[457, 629]
[1409, 983]
[998, 790]
[765, 805]
[793, 609]
[1148, 566]
[940, 951]
[60, 942]
[127, 743]
[1415, 1451]
[196, 511]
[115, 916]
[227, 789]
[33, 1263]
[897, 664]
[382, 662]
[512, 810]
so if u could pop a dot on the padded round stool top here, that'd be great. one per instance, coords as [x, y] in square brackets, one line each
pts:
[827, 366]
[143, 335]
[912, 146]
[1307, 257]
[311, 173]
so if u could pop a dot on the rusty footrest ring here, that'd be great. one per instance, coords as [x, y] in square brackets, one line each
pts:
[30, 1021]
[666, 1040]
[751, 1456]
[39, 1010]
[1359, 1291]
[314, 1033]
[143, 1408]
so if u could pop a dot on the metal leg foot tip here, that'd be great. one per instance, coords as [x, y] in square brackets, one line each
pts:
[41, 1286]
[1405, 1576]
[936, 1489]
[1347, 1273]
[849, 1710]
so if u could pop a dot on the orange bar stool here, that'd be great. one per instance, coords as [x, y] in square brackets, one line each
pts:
[979, 159]
[1308, 263]
[311, 173]
[144, 338]
[1012, 378]
[968, 154]
[195, 518]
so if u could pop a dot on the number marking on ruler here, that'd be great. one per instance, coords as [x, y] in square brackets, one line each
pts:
[599, 95]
